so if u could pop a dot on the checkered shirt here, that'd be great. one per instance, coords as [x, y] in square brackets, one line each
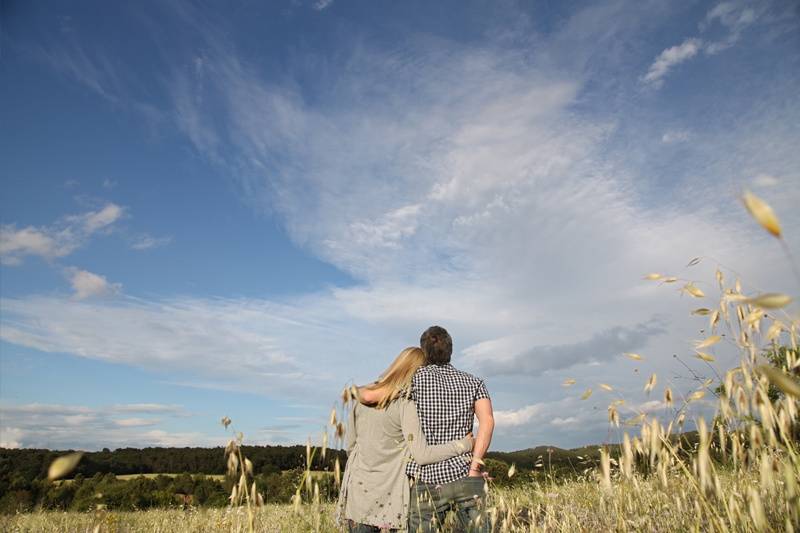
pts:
[445, 399]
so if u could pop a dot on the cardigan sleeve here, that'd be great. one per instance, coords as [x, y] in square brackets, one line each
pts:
[350, 429]
[421, 452]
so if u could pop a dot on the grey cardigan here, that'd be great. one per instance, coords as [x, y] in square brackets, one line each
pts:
[375, 489]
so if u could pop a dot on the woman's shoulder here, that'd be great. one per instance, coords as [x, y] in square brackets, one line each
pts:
[403, 402]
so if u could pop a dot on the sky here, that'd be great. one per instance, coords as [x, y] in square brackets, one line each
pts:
[239, 208]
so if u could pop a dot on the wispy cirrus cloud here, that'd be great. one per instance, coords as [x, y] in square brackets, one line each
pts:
[730, 19]
[734, 17]
[164, 334]
[669, 58]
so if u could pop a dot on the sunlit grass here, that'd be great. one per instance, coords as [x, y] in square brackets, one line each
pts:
[270, 517]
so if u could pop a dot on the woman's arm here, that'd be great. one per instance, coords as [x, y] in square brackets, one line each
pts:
[421, 452]
[350, 429]
[368, 396]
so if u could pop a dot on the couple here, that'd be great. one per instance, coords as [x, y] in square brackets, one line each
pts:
[414, 427]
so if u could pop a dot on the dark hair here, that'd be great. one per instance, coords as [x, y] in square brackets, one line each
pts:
[437, 345]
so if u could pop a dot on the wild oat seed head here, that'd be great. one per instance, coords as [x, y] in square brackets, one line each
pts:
[63, 465]
[762, 212]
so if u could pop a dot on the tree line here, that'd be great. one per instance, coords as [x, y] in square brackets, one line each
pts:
[93, 483]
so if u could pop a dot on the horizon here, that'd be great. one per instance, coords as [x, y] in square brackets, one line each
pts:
[239, 211]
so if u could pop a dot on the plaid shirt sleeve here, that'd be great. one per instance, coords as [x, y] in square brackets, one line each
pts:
[481, 392]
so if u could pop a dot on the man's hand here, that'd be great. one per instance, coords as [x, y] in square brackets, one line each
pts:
[475, 473]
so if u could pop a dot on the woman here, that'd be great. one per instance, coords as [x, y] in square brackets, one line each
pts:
[381, 438]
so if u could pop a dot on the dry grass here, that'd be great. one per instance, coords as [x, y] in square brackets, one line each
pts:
[268, 518]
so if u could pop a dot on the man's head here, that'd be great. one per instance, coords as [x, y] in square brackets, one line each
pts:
[437, 345]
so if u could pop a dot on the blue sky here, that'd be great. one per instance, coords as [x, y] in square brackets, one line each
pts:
[238, 210]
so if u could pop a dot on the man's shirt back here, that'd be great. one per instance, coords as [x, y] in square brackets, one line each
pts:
[445, 399]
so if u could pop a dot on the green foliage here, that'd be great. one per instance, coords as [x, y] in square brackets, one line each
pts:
[23, 484]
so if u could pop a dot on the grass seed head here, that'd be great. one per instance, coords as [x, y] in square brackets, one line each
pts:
[762, 212]
[651, 383]
[692, 290]
[63, 465]
[781, 380]
[770, 300]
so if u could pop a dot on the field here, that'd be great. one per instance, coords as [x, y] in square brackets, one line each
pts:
[268, 518]
[636, 505]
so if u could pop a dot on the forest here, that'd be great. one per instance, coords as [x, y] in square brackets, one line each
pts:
[168, 477]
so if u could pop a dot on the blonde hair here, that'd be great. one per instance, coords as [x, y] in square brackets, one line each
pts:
[397, 377]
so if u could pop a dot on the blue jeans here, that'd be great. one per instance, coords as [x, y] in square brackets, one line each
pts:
[464, 500]
[355, 527]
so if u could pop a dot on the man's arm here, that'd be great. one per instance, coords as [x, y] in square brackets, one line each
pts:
[485, 416]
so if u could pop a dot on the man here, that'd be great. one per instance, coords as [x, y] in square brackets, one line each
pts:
[447, 401]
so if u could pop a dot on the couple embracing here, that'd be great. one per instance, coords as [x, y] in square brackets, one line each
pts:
[412, 460]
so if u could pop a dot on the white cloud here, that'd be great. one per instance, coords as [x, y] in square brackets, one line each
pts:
[146, 242]
[569, 421]
[87, 284]
[148, 408]
[11, 437]
[734, 17]
[519, 417]
[319, 5]
[57, 240]
[97, 220]
[58, 426]
[136, 422]
[765, 180]
[16, 243]
[670, 58]
[675, 136]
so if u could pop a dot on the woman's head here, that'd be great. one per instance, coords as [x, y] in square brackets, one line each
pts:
[398, 376]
